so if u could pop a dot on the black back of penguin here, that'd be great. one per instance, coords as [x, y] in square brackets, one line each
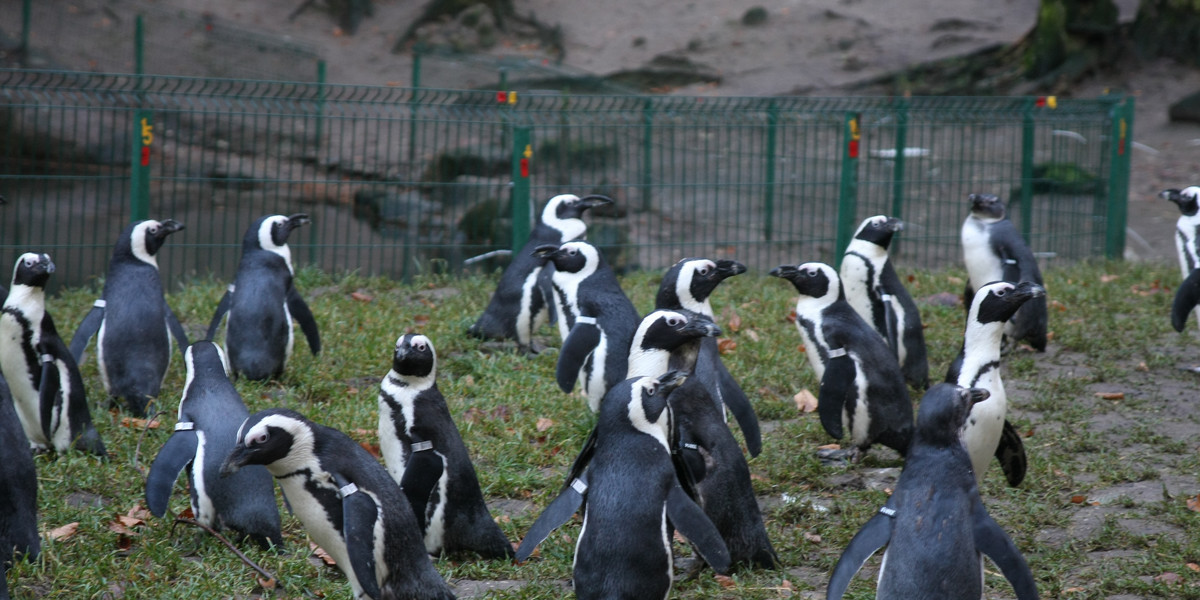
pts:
[336, 474]
[18, 487]
[457, 520]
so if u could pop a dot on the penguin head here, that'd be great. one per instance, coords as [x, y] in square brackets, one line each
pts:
[204, 358]
[879, 230]
[643, 402]
[670, 329]
[271, 232]
[988, 208]
[1187, 199]
[278, 438]
[144, 238]
[998, 301]
[32, 270]
[815, 280]
[943, 412]
[577, 257]
[691, 281]
[414, 357]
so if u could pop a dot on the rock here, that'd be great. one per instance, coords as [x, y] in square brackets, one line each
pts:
[755, 16]
[1187, 109]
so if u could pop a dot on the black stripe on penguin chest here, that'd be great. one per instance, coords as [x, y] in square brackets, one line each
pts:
[26, 343]
[327, 497]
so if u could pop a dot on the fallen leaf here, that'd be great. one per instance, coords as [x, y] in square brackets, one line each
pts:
[59, 534]
[830, 447]
[361, 297]
[1110, 395]
[266, 584]
[129, 521]
[1194, 567]
[543, 424]
[812, 537]
[757, 477]
[1073, 590]
[120, 528]
[733, 321]
[1193, 503]
[138, 511]
[1077, 499]
[791, 318]
[752, 334]
[138, 423]
[1059, 306]
[124, 542]
[1108, 278]
[1169, 577]
[726, 345]
[187, 513]
[502, 519]
[372, 449]
[1142, 366]
[322, 554]
[787, 585]
[679, 538]
[805, 401]
[469, 380]
[726, 581]
[421, 320]
[955, 280]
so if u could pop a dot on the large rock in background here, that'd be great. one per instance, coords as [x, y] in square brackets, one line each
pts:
[1187, 109]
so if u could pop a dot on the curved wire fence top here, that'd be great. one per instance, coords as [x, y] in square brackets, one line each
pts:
[399, 179]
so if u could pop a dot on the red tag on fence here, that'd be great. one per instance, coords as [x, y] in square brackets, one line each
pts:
[145, 156]
[524, 167]
[853, 148]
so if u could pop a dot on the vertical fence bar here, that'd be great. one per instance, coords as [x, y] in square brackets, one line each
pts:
[899, 165]
[848, 190]
[1118, 182]
[647, 143]
[314, 244]
[26, 18]
[1027, 145]
[414, 104]
[139, 46]
[522, 153]
[769, 175]
[139, 185]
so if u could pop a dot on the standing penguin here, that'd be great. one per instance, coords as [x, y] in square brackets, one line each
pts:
[426, 455]
[713, 460]
[1187, 246]
[519, 306]
[688, 285]
[346, 500]
[18, 490]
[994, 250]
[210, 413]
[862, 388]
[987, 432]
[596, 320]
[631, 496]
[263, 301]
[43, 377]
[877, 295]
[134, 322]
[934, 525]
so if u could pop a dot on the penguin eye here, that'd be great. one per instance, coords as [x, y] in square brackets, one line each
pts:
[572, 252]
[652, 389]
[419, 346]
[153, 229]
[29, 262]
[673, 321]
[257, 440]
[703, 271]
[1001, 291]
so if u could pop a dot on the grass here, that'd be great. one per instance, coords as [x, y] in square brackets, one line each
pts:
[1110, 333]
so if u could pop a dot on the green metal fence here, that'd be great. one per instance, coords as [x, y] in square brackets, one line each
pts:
[399, 180]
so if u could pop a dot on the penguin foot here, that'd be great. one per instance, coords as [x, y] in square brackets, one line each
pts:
[839, 456]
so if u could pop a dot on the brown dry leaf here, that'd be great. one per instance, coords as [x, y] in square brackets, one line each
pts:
[1194, 567]
[124, 543]
[1078, 499]
[138, 512]
[955, 280]
[679, 538]
[129, 521]
[502, 519]
[791, 318]
[469, 380]
[786, 585]
[752, 334]
[726, 345]
[132, 422]
[187, 513]
[733, 321]
[120, 528]
[812, 537]
[725, 581]
[805, 401]
[1059, 306]
[1193, 503]
[1108, 278]
[1110, 395]
[757, 477]
[1073, 590]
[373, 449]
[1169, 577]
[320, 553]
[362, 296]
[367, 433]
[543, 424]
[421, 320]
[65, 532]
[266, 584]
[1142, 367]
[830, 447]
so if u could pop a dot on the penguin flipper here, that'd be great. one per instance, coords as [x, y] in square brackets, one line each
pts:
[689, 463]
[222, 308]
[892, 324]
[739, 405]
[836, 386]
[991, 540]
[580, 343]
[421, 474]
[1186, 298]
[874, 535]
[689, 519]
[302, 314]
[176, 330]
[359, 515]
[545, 287]
[559, 511]
[1011, 454]
[179, 450]
[87, 328]
[48, 390]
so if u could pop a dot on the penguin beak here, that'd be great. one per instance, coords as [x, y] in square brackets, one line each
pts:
[701, 328]
[895, 224]
[237, 459]
[545, 251]
[1172, 195]
[297, 220]
[787, 272]
[47, 263]
[170, 226]
[671, 380]
[1027, 290]
[594, 200]
[729, 268]
[976, 395]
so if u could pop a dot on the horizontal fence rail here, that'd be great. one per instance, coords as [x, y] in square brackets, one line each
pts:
[400, 180]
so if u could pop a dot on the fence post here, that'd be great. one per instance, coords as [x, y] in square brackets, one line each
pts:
[899, 165]
[522, 152]
[848, 190]
[1118, 179]
[647, 139]
[414, 104]
[139, 188]
[139, 48]
[769, 189]
[26, 16]
[1027, 139]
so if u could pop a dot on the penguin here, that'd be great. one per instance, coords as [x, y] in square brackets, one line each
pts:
[934, 525]
[426, 455]
[862, 388]
[18, 490]
[346, 500]
[263, 301]
[132, 320]
[875, 292]
[687, 285]
[596, 320]
[713, 460]
[520, 304]
[1187, 246]
[986, 431]
[43, 377]
[994, 250]
[631, 496]
[210, 413]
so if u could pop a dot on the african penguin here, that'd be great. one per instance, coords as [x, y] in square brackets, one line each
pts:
[994, 250]
[877, 295]
[934, 525]
[132, 322]
[1187, 246]
[596, 320]
[986, 431]
[263, 301]
[862, 388]
[670, 340]
[209, 415]
[519, 306]
[43, 377]
[18, 490]
[688, 285]
[426, 455]
[346, 500]
[631, 496]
